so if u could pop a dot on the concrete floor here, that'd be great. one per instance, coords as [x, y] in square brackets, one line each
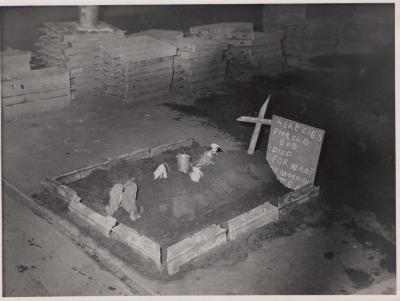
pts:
[39, 261]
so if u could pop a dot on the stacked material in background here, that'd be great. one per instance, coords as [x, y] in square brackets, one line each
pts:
[14, 62]
[171, 36]
[137, 67]
[238, 36]
[276, 16]
[85, 62]
[61, 44]
[35, 91]
[50, 45]
[249, 53]
[310, 38]
[224, 31]
[261, 55]
[199, 63]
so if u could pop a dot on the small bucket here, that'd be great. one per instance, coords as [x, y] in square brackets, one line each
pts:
[183, 162]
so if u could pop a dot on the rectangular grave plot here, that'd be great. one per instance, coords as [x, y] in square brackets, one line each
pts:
[176, 210]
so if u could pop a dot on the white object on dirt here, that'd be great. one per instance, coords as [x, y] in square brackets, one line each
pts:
[115, 200]
[215, 147]
[205, 159]
[196, 174]
[161, 171]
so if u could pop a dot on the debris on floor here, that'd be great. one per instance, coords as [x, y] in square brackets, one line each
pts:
[196, 174]
[161, 172]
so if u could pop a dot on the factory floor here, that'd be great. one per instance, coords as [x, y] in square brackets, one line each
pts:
[38, 261]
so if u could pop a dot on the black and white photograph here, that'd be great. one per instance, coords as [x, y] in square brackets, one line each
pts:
[201, 149]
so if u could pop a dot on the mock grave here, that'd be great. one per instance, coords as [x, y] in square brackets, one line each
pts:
[180, 219]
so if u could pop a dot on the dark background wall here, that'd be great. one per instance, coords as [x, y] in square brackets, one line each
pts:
[19, 24]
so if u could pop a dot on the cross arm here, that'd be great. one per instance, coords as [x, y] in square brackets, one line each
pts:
[254, 120]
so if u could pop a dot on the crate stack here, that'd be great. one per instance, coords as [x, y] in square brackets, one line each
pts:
[137, 67]
[15, 62]
[310, 38]
[261, 55]
[61, 44]
[35, 91]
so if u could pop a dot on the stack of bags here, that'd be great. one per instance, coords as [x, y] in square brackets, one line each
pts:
[35, 91]
[261, 55]
[169, 36]
[14, 62]
[249, 53]
[310, 37]
[199, 63]
[85, 62]
[224, 31]
[137, 67]
[50, 45]
[63, 45]
[237, 36]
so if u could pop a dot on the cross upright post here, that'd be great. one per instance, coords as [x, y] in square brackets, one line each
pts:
[259, 121]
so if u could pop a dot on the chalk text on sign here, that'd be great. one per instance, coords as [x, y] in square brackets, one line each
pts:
[293, 151]
[288, 178]
[305, 130]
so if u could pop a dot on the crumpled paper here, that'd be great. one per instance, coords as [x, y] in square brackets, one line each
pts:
[196, 174]
[161, 171]
[215, 147]
[206, 158]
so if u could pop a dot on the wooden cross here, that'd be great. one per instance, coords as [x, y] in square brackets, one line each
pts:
[259, 121]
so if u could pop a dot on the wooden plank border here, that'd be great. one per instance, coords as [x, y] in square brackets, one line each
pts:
[186, 250]
[102, 223]
[171, 146]
[106, 164]
[138, 242]
[194, 246]
[59, 190]
[298, 196]
[251, 220]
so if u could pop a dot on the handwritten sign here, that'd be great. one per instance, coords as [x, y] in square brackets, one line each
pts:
[293, 151]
